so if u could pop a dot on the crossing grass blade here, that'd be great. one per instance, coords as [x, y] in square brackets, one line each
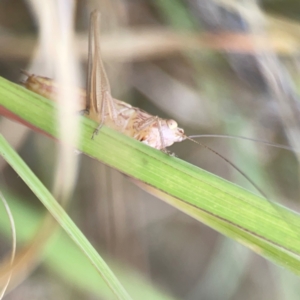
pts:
[66, 260]
[270, 230]
[62, 218]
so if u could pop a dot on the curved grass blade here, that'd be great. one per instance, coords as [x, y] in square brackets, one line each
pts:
[15, 161]
[69, 263]
[224, 206]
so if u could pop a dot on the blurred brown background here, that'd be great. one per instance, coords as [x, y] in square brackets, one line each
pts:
[190, 60]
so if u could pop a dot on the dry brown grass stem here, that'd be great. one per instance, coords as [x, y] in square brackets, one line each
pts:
[149, 43]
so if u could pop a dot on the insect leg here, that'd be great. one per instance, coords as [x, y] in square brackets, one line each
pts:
[100, 103]
[107, 110]
[148, 123]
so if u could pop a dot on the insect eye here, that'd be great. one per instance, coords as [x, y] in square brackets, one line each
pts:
[172, 124]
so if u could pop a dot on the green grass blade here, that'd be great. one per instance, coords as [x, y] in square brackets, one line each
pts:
[66, 260]
[224, 206]
[61, 217]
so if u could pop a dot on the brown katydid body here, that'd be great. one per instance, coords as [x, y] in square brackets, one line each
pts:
[100, 106]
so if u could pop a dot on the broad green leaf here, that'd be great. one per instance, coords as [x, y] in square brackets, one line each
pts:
[269, 230]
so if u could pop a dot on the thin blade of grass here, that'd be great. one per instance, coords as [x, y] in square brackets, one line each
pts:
[67, 261]
[14, 242]
[224, 206]
[15, 161]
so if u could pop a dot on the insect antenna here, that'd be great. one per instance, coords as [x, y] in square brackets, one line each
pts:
[191, 138]
[228, 136]
[231, 164]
